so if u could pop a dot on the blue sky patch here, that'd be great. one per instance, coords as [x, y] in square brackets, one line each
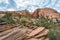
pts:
[31, 5]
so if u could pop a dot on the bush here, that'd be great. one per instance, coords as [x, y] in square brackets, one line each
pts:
[24, 20]
[43, 22]
[7, 18]
[53, 35]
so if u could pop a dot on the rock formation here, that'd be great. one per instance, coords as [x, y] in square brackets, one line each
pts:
[22, 34]
[46, 12]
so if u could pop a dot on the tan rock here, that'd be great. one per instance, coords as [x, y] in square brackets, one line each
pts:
[42, 38]
[36, 13]
[47, 39]
[36, 31]
[33, 39]
[1, 15]
[46, 12]
[34, 27]
[3, 23]
[14, 34]
[43, 33]
[29, 31]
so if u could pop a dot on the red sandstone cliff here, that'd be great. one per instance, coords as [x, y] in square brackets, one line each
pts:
[46, 12]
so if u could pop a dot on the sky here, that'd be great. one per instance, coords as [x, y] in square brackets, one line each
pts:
[31, 5]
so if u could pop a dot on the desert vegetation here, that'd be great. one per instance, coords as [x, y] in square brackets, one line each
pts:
[31, 22]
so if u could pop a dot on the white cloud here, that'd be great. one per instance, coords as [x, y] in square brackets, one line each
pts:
[31, 5]
[4, 1]
[32, 8]
[2, 9]
[58, 4]
[22, 3]
[11, 9]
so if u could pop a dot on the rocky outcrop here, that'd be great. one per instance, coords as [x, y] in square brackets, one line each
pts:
[7, 27]
[36, 13]
[25, 33]
[17, 13]
[46, 12]
[13, 34]
[36, 31]
[38, 34]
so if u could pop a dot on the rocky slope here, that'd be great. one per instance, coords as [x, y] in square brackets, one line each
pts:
[17, 13]
[17, 32]
[46, 12]
[24, 34]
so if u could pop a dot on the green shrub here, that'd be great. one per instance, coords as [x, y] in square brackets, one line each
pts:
[23, 20]
[7, 18]
[43, 22]
[53, 35]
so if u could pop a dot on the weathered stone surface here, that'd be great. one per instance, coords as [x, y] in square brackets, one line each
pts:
[2, 27]
[33, 39]
[34, 27]
[47, 39]
[36, 13]
[13, 34]
[36, 31]
[43, 33]
[51, 13]
[42, 38]
[5, 32]
[18, 33]
[3, 23]
[7, 27]
[29, 31]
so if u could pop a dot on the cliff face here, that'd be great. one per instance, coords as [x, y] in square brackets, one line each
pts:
[46, 12]
[36, 13]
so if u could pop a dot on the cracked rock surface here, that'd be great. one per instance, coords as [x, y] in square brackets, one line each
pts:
[24, 34]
